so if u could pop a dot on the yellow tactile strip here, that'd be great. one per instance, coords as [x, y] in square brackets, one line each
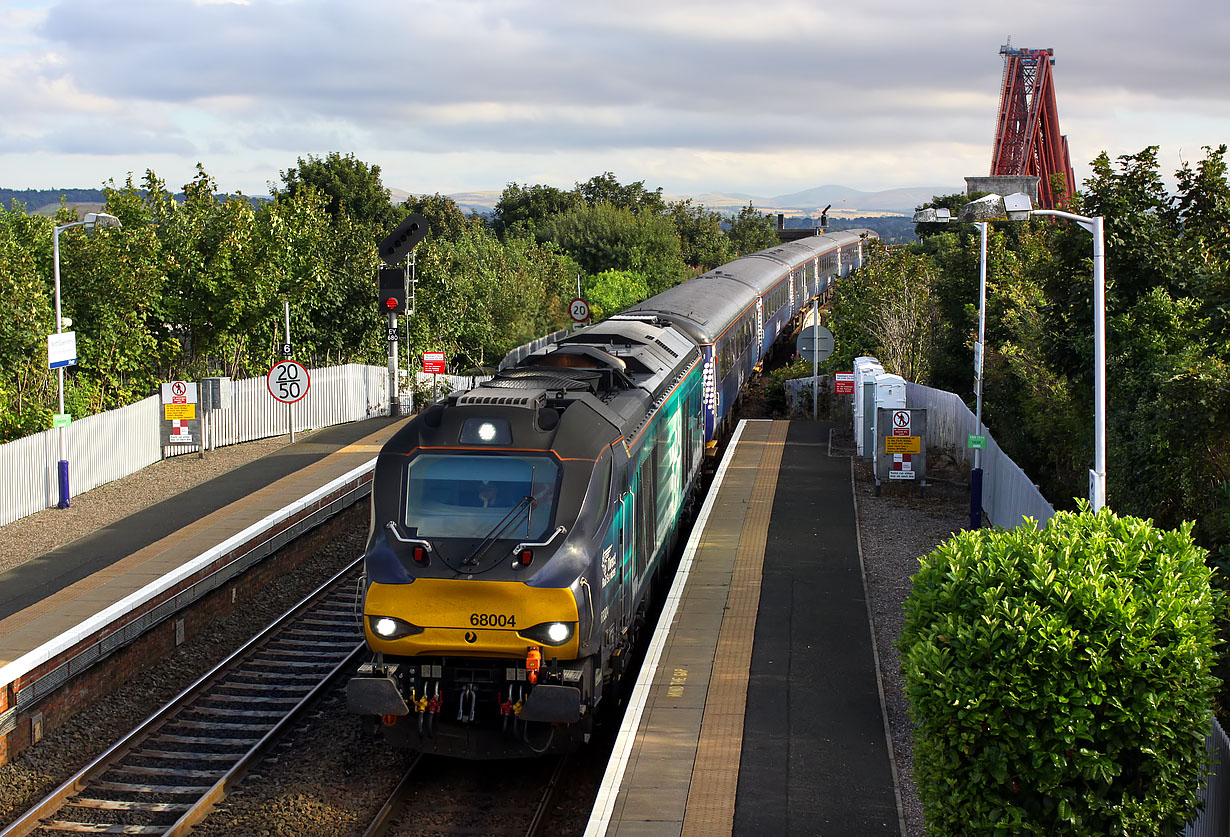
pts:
[715, 773]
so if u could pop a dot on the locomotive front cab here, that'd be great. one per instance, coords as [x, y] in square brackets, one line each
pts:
[473, 525]
[477, 606]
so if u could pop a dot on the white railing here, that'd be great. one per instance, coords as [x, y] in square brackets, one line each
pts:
[114, 444]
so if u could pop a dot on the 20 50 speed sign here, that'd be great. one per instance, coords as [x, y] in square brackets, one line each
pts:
[288, 381]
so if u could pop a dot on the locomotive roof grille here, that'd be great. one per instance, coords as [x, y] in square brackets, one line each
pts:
[530, 398]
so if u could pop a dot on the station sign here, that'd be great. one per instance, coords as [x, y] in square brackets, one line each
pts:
[61, 349]
[433, 363]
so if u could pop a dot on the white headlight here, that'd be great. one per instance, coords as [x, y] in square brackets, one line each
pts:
[486, 431]
[558, 632]
[385, 626]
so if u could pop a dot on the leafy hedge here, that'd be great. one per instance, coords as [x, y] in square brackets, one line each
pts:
[1059, 679]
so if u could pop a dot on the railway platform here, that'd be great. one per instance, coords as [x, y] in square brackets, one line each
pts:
[758, 709]
[69, 607]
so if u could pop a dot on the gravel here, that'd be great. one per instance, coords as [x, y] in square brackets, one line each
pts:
[896, 529]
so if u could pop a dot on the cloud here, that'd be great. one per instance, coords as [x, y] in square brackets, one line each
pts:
[730, 90]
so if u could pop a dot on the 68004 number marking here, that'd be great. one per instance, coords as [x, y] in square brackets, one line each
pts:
[493, 620]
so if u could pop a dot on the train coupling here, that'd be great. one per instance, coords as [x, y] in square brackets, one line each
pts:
[375, 690]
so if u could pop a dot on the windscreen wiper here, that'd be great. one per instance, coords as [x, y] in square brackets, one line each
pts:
[526, 502]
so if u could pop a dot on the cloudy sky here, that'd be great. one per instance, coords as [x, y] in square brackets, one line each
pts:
[764, 97]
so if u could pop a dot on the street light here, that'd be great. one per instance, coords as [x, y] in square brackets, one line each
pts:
[944, 216]
[92, 221]
[1018, 207]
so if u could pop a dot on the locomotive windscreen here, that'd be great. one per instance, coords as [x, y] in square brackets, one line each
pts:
[467, 495]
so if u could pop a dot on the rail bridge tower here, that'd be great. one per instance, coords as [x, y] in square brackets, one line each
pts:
[1027, 138]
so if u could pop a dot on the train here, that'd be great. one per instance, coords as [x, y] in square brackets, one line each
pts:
[520, 529]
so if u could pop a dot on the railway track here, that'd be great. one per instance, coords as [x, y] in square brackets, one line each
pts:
[451, 798]
[168, 773]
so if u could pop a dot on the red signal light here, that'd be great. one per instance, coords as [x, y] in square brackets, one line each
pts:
[392, 303]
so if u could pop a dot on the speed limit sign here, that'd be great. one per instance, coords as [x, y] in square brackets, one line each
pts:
[578, 309]
[288, 381]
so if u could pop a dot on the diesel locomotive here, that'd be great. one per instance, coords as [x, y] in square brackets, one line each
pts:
[519, 529]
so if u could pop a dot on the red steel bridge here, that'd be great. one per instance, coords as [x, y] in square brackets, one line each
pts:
[1027, 138]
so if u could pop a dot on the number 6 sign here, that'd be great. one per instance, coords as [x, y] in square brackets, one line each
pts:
[288, 381]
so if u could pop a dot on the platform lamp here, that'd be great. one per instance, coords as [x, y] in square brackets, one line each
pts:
[1019, 207]
[944, 216]
[91, 222]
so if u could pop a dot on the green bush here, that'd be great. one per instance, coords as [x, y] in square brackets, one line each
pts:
[1059, 679]
[776, 397]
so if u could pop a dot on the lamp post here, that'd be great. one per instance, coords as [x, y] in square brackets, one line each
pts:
[1018, 207]
[975, 477]
[92, 221]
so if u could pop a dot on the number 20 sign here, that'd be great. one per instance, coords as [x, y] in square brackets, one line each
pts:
[288, 381]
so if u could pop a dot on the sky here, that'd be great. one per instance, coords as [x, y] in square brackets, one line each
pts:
[758, 97]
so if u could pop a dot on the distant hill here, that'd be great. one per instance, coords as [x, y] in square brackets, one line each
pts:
[846, 202]
[47, 201]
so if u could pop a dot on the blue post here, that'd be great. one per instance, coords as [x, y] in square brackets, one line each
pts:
[63, 473]
[975, 498]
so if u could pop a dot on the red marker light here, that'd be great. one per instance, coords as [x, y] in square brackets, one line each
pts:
[526, 557]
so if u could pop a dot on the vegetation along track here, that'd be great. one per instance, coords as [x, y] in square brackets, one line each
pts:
[169, 772]
[449, 797]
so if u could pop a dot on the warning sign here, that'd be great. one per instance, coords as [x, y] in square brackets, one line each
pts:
[843, 383]
[903, 444]
[901, 422]
[178, 411]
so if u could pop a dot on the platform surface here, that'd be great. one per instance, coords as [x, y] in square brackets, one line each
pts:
[764, 715]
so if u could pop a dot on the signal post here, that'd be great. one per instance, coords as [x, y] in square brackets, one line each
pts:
[392, 288]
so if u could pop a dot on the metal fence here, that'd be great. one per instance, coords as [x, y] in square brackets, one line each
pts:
[1008, 494]
[1214, 818]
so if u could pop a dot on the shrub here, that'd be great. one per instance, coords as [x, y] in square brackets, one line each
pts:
[1059, 679]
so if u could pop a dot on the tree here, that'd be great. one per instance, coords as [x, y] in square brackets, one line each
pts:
[605, 188]
[887, 309]
[353, 189]
[605, 237]
[523, 208]
[611, 291]
[751, 231]
[703, 244]
[444, 218]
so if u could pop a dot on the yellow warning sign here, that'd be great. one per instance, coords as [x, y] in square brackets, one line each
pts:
[902, 444]
[172, 412]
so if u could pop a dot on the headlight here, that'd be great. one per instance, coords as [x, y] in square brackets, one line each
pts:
[550, 633]
[390, 627]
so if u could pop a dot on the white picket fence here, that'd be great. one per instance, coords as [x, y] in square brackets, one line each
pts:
[114, 444]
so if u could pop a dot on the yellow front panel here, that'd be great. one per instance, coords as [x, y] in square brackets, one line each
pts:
[467, 618]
